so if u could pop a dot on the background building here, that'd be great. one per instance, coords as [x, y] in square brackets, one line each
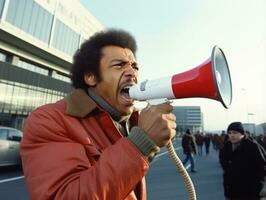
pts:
[254, 129]
[263, 126]
[37, 41]
[188, 117]
[250, 127]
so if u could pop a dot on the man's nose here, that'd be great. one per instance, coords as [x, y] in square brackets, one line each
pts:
[131, 71]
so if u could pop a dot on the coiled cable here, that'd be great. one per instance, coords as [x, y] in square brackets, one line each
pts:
[181, 169]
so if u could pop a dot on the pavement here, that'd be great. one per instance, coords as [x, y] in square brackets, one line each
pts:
[165, 183]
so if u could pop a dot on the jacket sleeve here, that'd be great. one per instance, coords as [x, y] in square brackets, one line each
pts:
[58, 167]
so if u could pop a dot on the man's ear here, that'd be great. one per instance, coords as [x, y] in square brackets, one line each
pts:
[90, 79]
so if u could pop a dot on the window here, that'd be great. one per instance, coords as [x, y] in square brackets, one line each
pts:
[46, 27]
[14, 135]
[27, 17]
[1, 7]
[61, 77]
[31, 18]
[11, 12]
[3, 133]
[2, 57]
[32, 67]
[39, 21]
[19, 13]
[21, 98]
[65, 39]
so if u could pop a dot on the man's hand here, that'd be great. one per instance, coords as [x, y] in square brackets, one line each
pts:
[158, 122]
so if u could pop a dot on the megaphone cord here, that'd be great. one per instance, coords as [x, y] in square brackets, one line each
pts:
[181, 169]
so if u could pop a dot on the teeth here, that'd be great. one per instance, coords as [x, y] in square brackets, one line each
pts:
[125, 89]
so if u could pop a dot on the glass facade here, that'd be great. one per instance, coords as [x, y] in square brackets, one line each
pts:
[65, 39]
[61, 77]
[31, 18]
[32, 67]
[2, 57]
[35, 76]
[1, 7]
[18, 98]
[35, 20]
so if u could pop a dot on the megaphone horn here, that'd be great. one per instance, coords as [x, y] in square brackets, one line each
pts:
[211, 79]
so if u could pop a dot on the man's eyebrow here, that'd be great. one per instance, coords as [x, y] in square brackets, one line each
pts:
[122, 61]
[118, 60]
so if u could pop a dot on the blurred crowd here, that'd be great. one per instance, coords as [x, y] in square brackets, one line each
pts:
[242, 156]
[203, 141]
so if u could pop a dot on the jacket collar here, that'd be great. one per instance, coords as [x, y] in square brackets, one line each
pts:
[79, 104]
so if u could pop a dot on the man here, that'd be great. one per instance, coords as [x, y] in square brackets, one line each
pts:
[207, 142]
[199, 138]
[93, 144]
[189, 148]
[243, 162]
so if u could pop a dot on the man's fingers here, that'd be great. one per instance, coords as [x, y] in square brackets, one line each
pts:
[170, 116]
[165, 107]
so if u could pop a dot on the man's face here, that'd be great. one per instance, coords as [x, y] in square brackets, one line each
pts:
[118, 71]
[235, 136]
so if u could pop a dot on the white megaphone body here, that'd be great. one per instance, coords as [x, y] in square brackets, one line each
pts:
[210, 80]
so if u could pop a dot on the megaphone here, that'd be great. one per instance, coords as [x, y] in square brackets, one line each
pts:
[211, 79]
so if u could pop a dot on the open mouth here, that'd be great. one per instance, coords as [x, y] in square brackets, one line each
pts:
[125, 92]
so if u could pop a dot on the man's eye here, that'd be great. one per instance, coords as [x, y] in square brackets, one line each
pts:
[120, 65]
[125, 64]
[135, 66]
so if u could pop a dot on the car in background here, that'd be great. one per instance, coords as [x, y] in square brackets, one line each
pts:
[9, 146]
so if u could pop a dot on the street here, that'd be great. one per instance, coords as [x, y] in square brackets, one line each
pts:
[163, 180]
[12, 184]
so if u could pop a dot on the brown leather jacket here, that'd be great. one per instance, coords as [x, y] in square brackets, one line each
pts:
[72, 150]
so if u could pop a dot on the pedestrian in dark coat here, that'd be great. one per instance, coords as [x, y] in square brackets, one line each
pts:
[199, 141]
[189, 148]
[242, 160]
[207, 141]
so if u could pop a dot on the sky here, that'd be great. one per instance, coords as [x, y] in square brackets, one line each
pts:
[174, 36]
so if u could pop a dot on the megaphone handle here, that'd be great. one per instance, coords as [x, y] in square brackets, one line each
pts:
[181, 169]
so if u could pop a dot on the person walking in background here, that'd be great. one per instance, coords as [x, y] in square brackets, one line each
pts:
[199, 141]
[243, 163]
[207, 141]
[189, 148]
[218, 142]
